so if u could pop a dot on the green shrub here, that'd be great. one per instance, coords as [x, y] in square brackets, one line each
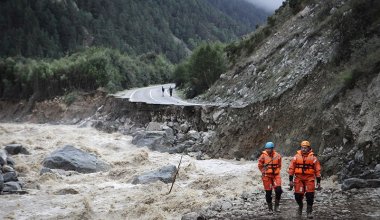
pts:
[201, 70]
[70, 98]
[365, 61]
[83, 71]
[295, 5]
[360, 19]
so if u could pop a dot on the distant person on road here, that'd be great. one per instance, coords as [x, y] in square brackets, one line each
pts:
[270, 167]
[171, 91]
[163, 90]
[306, 167]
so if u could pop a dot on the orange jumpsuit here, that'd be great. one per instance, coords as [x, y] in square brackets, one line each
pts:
[306, 168]
[270, 167]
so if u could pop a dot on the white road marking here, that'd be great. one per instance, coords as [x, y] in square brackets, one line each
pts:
[150, 94]
[171, 100]
[130, 97]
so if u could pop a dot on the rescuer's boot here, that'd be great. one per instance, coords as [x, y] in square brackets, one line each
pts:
[309, 212]
[270, 207]
[299, 212]
[277, 205]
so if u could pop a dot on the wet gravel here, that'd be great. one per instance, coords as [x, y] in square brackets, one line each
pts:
[329, 204]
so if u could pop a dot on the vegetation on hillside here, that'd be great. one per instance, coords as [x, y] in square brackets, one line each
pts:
[88, 70]
[46, 28]
[242, 11]
[359, 40]
[249, 43]
[47, 47]
[196, 74]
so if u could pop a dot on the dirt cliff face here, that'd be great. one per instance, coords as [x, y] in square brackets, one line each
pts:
[117, 113]
[343, 126]
[57, 110]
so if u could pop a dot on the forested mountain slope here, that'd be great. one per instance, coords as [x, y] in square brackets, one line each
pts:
[242, 11]
[49, 28]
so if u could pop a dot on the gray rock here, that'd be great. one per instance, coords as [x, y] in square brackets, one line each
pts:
[7, 168]
[10, 177]
[244, 196]
[149, 138]
[193, 216]
[11, 162]
[199, 155]
[71, 158]
[207, 138]
[66, 191]
[155, 140]
[154, 126]
[226, 205]
[353, 183]
[181, 137]
[184, 127]
[193, 135]
[370, 174]
[180, 148]
[14, 149]
[377, 167]
[3, 157]
[12, 186]
[164, 174]
[45, 170]
[169, 133]
[373, 183]
[359, 156]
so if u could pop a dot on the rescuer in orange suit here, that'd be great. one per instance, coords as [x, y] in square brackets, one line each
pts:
[306, 168]
[270, 167]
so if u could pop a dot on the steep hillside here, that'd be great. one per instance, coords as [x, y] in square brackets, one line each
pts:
[312, 73]
[242, 11]
[47, 28]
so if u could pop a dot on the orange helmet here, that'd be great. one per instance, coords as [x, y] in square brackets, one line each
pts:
[305, 144]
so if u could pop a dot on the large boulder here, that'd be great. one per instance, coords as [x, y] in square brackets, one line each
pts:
[71, 158]
[14, 149]
[154, 126]
[193, 216]
[12, 186]
[155, 140]
[164, 174]
[353, 183]
[360, 183]
[150, 139]
[10, 177]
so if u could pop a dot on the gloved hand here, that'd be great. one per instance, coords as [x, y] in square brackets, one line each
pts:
[291, 185]
[318, 187]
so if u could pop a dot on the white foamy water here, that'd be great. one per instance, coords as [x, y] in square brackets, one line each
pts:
[106, 195]
[110, 194]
